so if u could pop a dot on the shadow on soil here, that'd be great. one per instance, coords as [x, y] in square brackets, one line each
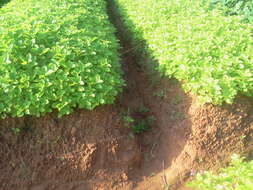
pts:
[186, 138]
[164, 100]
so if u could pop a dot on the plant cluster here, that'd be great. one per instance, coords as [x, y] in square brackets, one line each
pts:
[235, 7]
[237, 176]
[56, 55]
[141, 125]
[3, 2]
[209, 52]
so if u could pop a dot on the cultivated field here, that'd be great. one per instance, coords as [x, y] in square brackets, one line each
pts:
[126, 95]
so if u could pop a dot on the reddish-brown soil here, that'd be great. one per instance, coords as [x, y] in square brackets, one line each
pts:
[97, 150]
[85, 150]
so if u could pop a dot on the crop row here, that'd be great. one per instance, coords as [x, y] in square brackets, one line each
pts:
[3, 2]
[209, 52]
[235, 7]
[236, 176]
[56, 55]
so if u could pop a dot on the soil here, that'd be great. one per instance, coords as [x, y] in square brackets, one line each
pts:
[98, 150]
[85, 150]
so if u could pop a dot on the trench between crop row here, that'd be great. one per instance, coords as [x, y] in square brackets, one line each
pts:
[163, 100]
[179, 143]
[134, 99]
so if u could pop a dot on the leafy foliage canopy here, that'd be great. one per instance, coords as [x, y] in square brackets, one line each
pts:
[58, 54]
[211, 53]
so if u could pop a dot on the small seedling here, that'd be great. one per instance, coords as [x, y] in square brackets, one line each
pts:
[16, 131]
[160, 94]
[126, 117]
[143, 125]
[242, 137]
[143, 109]
[140, 127]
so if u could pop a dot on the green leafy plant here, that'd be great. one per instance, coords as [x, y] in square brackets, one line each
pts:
[235, 7]
[143, 109]
[16, 131]
[128, 120]
[242, 137]
[57, 55]
[140, 127]
[3, 2]
[237, 176]
[209, 52]
[143, 125]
